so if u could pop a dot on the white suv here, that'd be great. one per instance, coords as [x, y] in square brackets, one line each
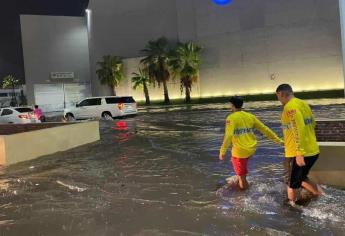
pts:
[102, 107]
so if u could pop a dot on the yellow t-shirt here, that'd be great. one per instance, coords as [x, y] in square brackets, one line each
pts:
[239, 132]
[298, 125]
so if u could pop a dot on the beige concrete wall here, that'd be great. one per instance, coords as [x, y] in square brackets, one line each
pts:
[29, 145]
[251, 46]
[2, 150]
[330, 168]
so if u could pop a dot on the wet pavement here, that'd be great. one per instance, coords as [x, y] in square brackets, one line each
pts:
[156, 174]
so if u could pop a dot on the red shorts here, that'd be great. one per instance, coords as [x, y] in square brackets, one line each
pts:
[240, 166]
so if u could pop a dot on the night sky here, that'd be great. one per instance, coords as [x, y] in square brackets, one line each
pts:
[11, 54]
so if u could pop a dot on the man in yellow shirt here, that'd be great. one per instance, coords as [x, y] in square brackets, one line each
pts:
[301, 148]
[239, 132]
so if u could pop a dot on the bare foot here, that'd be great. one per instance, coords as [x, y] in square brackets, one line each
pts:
[320, 190]
[292, 203]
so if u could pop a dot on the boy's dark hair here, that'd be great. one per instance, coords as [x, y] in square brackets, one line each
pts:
[36, 106]
[237, 101]
[285, 88]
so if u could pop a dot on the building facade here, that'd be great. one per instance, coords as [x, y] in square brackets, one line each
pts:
[56, 59]
[250, 46]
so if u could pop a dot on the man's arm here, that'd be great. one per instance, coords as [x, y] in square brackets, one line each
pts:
[297, 126]
[229, 131]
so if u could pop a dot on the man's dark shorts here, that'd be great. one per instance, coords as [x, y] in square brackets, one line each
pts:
[294, 174]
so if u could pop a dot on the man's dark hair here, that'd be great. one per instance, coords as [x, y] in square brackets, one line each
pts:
[36, 106]
[285, 88]
[237, 101]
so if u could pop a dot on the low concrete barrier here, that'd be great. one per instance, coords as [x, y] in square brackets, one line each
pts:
[330, 168]
[22, 142]
[330, 130]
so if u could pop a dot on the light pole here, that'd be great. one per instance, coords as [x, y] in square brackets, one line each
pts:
[342, 27]
[13, 99]
[89, 35]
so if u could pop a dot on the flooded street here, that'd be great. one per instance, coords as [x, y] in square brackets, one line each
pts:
[159, 177]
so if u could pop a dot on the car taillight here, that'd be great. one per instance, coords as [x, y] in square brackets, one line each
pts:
[120, 106]
[23, 117]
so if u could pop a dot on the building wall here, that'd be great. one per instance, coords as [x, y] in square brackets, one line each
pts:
[122, 28]
[54, 44]
[250, 46]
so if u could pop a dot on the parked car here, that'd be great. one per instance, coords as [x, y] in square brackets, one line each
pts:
[17, 115]
[102, 107]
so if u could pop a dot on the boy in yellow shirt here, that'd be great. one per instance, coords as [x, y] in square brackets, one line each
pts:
[239, 132]
[301, 148]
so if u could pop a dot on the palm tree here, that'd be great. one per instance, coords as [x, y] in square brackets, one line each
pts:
[186, 65]
[10, 82]
[110, 72]
[156, 60]
[142, 79]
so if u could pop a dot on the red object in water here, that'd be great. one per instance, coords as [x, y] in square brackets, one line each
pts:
[121, 124]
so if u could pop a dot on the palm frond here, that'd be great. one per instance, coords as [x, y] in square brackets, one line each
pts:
[110, 71]
[185, 64]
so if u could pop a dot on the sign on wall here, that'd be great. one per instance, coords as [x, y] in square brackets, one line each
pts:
[62, 75]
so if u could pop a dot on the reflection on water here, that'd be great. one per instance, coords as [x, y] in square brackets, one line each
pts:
[156, 174]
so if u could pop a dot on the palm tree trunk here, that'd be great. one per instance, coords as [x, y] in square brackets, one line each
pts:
[188, 99]
[112, 90]
[147, 96]
[166, 93]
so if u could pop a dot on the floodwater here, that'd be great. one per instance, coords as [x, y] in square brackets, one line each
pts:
[159, 177]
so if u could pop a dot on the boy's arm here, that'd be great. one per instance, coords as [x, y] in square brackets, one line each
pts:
[229, 131]
[267, 131]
